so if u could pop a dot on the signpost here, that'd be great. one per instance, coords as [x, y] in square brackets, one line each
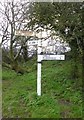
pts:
[45, 57]
[40, 57]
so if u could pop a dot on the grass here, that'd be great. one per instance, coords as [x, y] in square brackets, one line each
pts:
[61, 94]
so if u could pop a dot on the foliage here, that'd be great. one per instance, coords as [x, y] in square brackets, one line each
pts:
[59, 16]
[61, 94]
[66, 18]
[13, 17]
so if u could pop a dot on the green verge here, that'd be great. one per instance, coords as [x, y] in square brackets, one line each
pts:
[61, 94]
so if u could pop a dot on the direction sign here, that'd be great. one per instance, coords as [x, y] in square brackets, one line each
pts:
[41, 34]
[24, 33]
[53, 57]
[32, 42]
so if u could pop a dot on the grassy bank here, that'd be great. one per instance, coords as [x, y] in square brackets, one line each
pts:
[61, 93]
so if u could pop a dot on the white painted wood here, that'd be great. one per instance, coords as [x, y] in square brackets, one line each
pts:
[39, 60]
[39, 79]
[53, 57]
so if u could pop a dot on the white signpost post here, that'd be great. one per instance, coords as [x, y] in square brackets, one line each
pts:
[39, 60]
[40, 57]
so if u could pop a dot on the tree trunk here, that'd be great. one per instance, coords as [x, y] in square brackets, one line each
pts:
[25, 53]
[75, 56]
